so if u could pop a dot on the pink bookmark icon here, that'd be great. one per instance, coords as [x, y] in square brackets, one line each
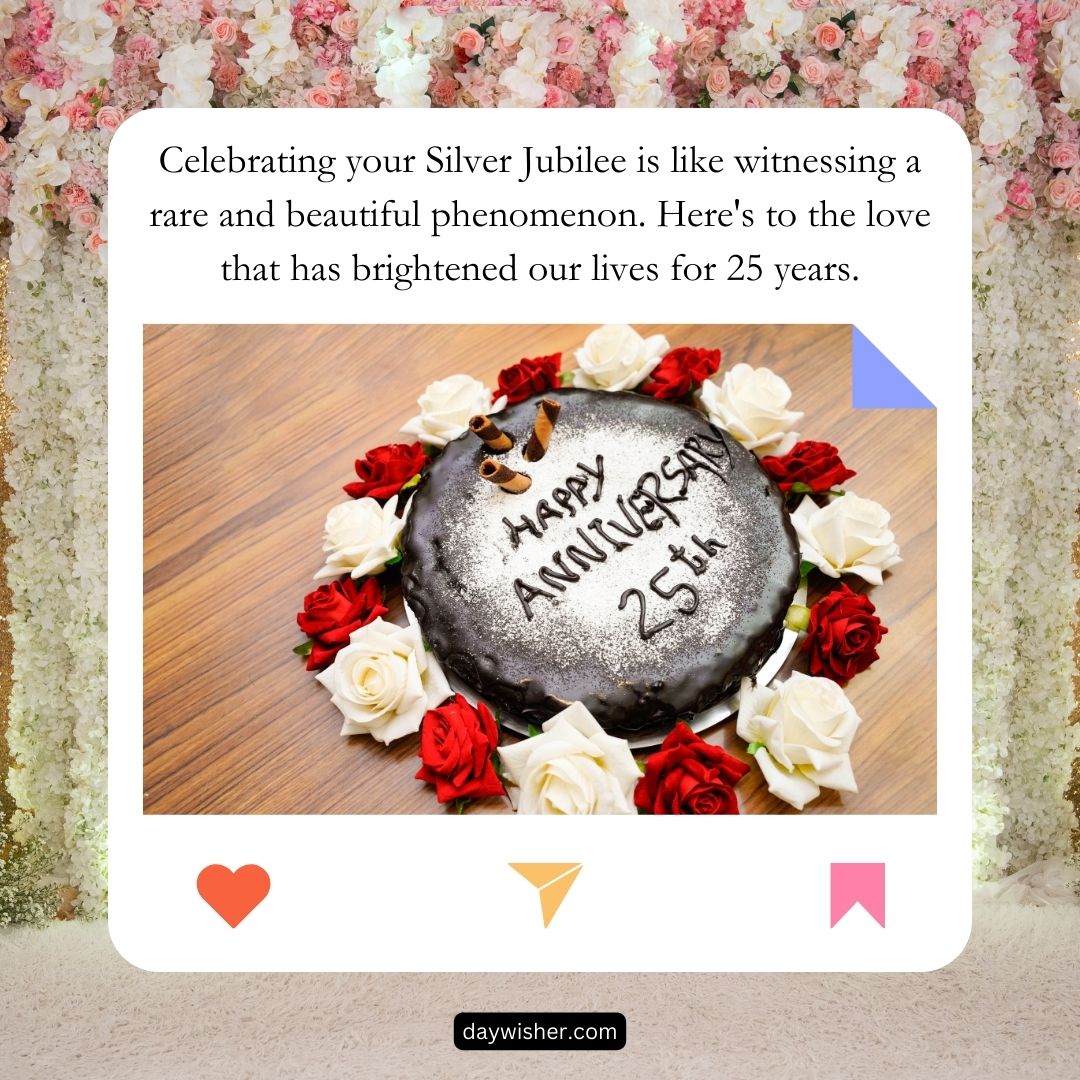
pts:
[856, 883]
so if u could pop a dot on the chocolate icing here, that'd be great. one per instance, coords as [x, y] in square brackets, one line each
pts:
[645, 572]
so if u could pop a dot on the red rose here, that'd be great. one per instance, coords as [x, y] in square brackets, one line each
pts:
[385, 469]
[843, 635]
[681, 371]
[816, 466]
[332, 612]
[456, 741]
[528, 377]
[687, 775]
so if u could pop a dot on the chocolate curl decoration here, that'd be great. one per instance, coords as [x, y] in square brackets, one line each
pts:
[496, 440]
[546, 414]
[505, 477]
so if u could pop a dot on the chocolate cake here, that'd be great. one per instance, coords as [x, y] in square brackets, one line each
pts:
[644, 570]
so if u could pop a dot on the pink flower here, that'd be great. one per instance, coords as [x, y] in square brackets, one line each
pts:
[94, 241]
[1052, 11]
[803, 5]
[444, 91]
[701, 45]
[19, 60]
[1058, 190]
[318, 97]
[227, 77]
[307, 33]
[109, 118]
[829, 36]
[718, 81]
[338, 81]
[750, 97]
[346, 25]
[951, 108]
[568, 41]
[556, 98]
[470, 41]
[84, 218]
[926, 32]
[79, 114]
[777, 82]
[569, 78]
[813, 70]
[223, 30]
[1062, 155]
[142, 48]
[73, 196]
[1073, 201]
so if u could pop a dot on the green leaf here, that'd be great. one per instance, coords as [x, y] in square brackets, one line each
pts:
[793, 89]
[305, 649]
[754, 747]
[641, 766]
[459, 805]
[799, 488]
[805, 567]
[411, 483]
[566, 378]
[496, 764]
[704, 100]
[533, 731]
[395, 560]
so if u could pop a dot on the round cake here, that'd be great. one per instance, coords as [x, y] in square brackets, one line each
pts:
[645, 570]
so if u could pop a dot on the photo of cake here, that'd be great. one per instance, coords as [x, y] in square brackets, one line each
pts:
[622, 580]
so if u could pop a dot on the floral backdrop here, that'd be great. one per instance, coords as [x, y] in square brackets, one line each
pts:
[1007, 71]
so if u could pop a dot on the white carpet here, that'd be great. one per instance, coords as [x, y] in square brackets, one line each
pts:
[1008, 1007]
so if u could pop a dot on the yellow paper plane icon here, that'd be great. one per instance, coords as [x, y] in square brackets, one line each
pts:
[553, 879]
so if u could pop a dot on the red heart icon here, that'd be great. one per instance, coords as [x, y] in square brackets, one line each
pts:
[233, 894]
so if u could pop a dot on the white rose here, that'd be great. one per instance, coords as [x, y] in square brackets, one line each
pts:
[361, 537]
[446, 407]
[804, 728]
[751, 403]
[572, 767]
[849, 535]
[617, 357]
[384, 681]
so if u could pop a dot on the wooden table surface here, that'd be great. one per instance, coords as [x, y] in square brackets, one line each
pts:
[250, 431]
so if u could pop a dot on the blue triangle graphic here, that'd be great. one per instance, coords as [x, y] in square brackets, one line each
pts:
[876, 383]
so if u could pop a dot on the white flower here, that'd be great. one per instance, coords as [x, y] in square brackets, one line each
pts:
[988, 186]
[272, 44]
[403, 82]
[572, 767]
[884, 73]
[446, 407]
[416, 23]
[805, 727]
[663, 15]
[752, 404]
[384, 681]
[634, 78]
[849, 535]
[361, 537]
[1063, 58]
[617, 357]
[524, 81]
[185, 71]
[997, 80]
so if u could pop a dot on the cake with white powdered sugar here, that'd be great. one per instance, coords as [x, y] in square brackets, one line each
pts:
[626, 554]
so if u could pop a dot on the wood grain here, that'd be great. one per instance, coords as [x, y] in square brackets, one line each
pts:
[250, 431]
